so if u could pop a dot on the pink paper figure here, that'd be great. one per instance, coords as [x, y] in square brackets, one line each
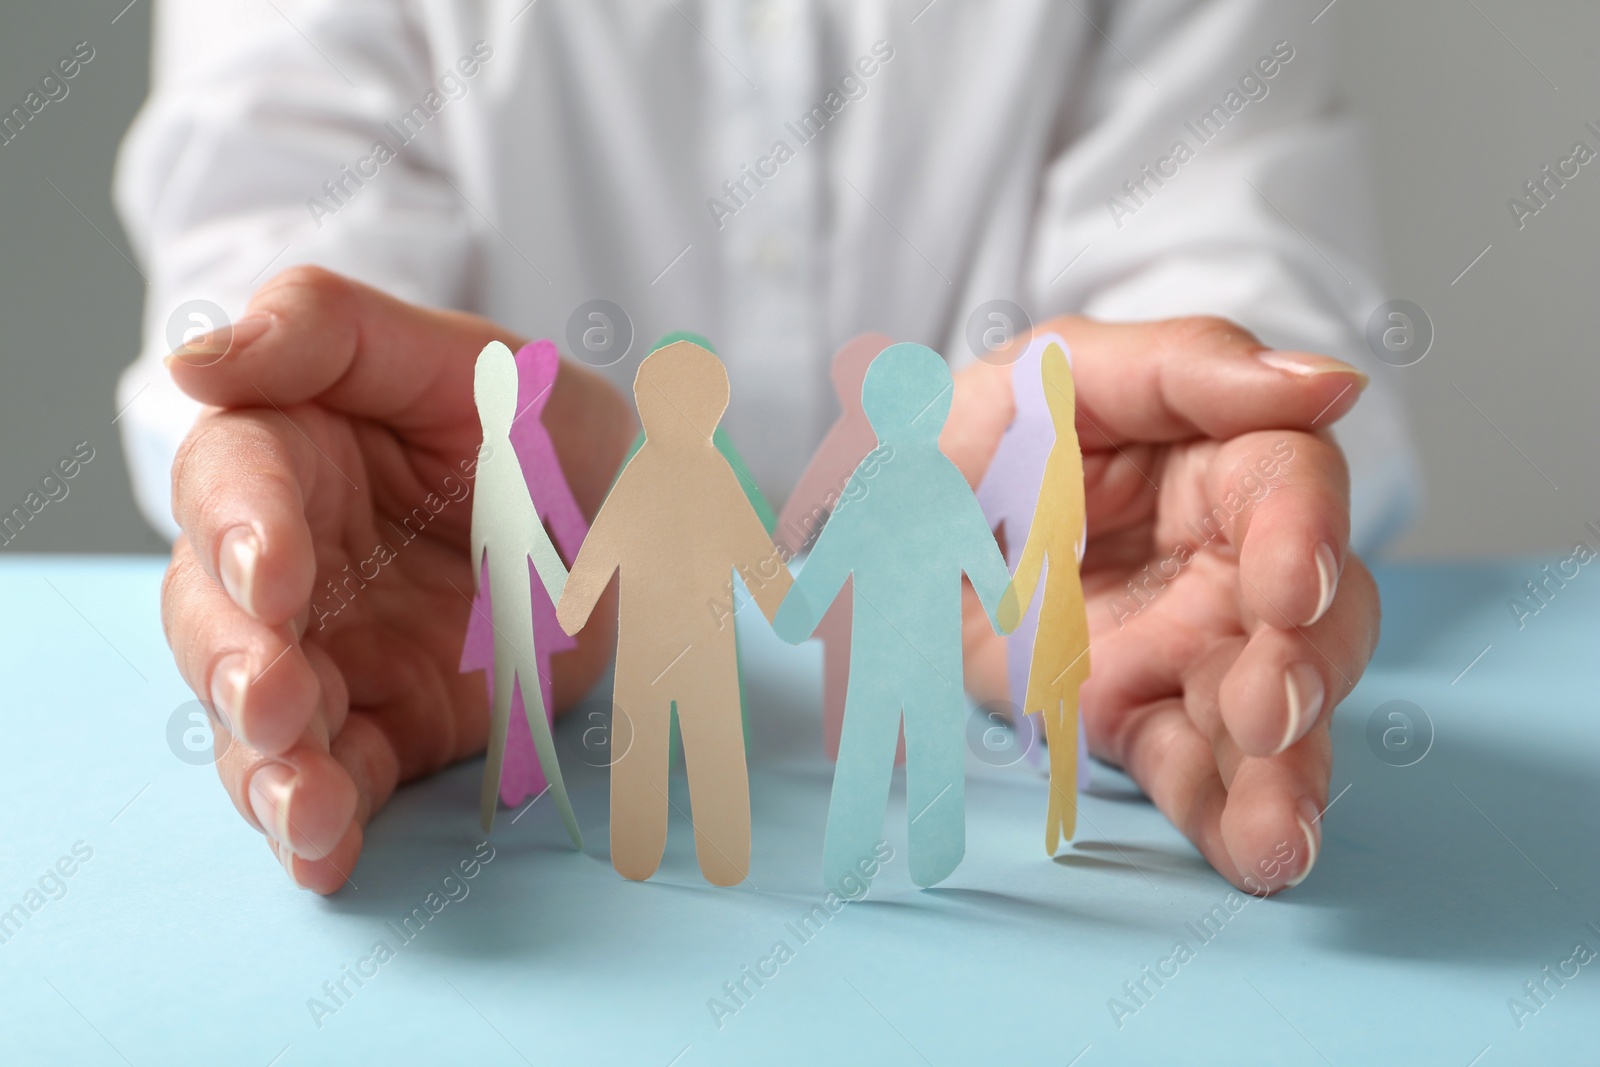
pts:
[846, 444]
[1008, 494]
[537, 364]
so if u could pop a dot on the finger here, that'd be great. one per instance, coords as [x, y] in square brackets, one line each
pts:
[323, 874]
[1183, 378]
[1285, 682]
[311, 333]
[1270, 824]
[1159, 747]
[256, 677]
[240, 484]
[1285, 498]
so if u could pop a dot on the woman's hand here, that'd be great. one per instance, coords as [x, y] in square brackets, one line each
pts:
[1227, 615]
[320, 590]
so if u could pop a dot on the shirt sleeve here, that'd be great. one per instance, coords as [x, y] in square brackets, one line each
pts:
[257, 150]
[1206, 167]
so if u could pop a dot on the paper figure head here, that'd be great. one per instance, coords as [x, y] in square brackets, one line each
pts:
[494, 387]
[850, 363]
[1058, 388]
[537, 363]
[681, 391]
[906, 394]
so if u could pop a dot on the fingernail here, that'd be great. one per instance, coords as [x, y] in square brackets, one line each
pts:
[1310, 820]
[229, 680]
[236, 562]
[1327, 579]
[270, 788]
[1309, 365]
[1306, 692]
[286, 861]
[209, 348]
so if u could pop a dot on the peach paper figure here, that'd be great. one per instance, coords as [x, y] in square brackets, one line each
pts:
[1009, 494]
[537, 364]
[507, 536]
[815, 495]
[674, 528]
[1061, 649]
[905, 540]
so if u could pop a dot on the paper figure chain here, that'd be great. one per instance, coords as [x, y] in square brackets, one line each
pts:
[892, 527]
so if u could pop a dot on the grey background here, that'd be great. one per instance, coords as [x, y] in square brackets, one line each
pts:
[1465, 100]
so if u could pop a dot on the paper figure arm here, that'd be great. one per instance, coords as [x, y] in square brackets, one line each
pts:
[817, 491]
[980, 555]
[758, 560]
[820, 579]
[546, 560]
[1030, 566]
[598, 558]
[561, 511]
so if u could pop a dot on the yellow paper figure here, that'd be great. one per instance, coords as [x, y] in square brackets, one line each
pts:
[1061, 650]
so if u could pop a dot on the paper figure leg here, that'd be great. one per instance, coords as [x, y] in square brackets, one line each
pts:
[861, 778]
[935, 782]
[508, 673]
[639, 779]
[834, 632]
[714, 758]
[1063, 657]
[522, 776]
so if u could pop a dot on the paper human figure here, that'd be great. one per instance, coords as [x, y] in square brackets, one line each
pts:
[1053, 549]
[816, 493]
[508, 536]
[537, 363]
[752, 492]
[674, 528]
[1009, 493]
[904, 532]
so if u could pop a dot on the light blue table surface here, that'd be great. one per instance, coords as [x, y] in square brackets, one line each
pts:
[1442, 888]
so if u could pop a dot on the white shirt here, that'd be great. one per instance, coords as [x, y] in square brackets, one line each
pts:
[628, 150]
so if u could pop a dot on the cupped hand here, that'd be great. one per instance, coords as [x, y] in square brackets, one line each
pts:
[1227, 614]
[319, 591]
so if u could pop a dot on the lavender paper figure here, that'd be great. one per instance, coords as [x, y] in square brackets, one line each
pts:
[1008, 493]
[537, 364]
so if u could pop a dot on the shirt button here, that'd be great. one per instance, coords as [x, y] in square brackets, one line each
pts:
[768, 20]
[773, 254]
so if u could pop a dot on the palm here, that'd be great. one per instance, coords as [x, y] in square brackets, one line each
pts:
[389, 526]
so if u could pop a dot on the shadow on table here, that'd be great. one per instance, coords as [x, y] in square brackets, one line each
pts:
[1474, 853]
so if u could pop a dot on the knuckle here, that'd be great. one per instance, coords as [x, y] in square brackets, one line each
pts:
[307, 281]
[1196, 331]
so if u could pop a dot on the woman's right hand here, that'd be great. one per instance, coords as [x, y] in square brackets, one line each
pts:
[318, 594]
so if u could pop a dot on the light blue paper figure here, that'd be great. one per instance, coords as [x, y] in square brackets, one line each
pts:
[1009, 494]
[904, 535]
[506, 534]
